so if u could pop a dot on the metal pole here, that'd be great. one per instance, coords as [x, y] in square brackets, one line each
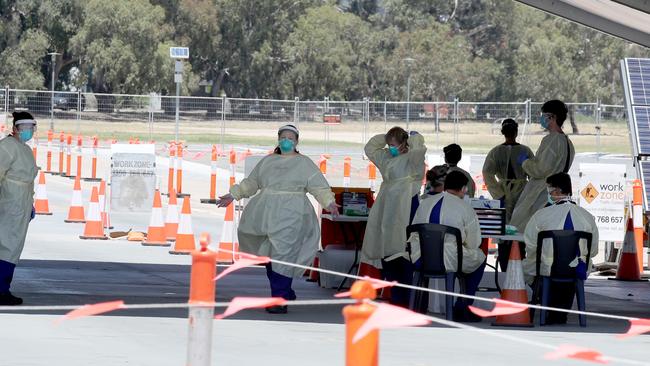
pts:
[385, 117]
[78, 112]
[327, 127]
[53, 54]
[6, 105]
[223, 120]
[456, 120]
[598, 116]
[437, 126]
[408, 99]
[178, 92]
[296, 115]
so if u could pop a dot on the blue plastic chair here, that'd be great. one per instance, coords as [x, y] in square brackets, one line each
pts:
[432, 263]
[565, 246]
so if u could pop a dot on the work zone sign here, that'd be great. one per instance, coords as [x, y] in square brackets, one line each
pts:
[602, 193]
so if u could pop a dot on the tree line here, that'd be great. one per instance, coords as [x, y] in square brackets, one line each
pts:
[480, 50]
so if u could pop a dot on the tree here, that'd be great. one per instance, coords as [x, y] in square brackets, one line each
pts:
[21, 63]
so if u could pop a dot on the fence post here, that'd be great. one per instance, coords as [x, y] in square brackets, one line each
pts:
[6, 102]
[78, 112]
[456, 120]
[224, 99]
[366, 119]
[527, 117]
[385, 117]
[327, 127]
[296, 115]
[598, 116]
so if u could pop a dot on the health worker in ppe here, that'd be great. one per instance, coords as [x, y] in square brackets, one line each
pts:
[561, 213]
[504, 178]
[17, 173]
[279, 221]
[400, 160]
[435, 181]
[453, 155]
[450, 209]
[555, 155]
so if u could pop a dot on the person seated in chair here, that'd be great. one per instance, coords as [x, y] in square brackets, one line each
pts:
[560, 213]
[448, 208]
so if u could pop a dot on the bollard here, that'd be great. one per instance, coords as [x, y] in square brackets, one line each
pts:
[202, 292]
[347, 167]
[233, 162]
[372, 176]
[213, 178]
[366, 351]
[48, 165]
[179, 170]
[80, 141]
[93, 174]
[68, 157]
[322, 164]
[61, 152]
[34, 143]
[637, 219]
[172, 162]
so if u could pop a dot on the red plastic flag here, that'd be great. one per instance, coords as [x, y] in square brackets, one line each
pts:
[238, 304]
[390, 316]
[242, 263]
[637, 327]
[92, 309]
[376, 284]
[500, 308]
[199, 155]
[577, 353]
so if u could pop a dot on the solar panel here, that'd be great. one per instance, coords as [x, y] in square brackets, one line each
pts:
[639, 80]
[641, 116]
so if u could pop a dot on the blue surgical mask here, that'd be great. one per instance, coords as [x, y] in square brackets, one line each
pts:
[286, 146]
[26, 135]
[543, 121]
[550, 200]
[394, 151]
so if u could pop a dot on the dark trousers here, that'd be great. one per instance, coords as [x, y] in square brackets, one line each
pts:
[472, 281]
[400, 270]
[6, 275]
[280, 284]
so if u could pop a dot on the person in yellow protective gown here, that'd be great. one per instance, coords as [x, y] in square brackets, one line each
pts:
[453, 155]
[279, 221]
[17, 173]
[400, 160]
[561, 213]
[450, 209]
[504, 178]
[555, 155]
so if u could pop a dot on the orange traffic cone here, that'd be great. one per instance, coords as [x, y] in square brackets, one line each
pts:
[347, 167]
[227, 246]
[76, 211]
[156, 232]
[184, 236]
[41, 204]
[514, 289]
[628, 267]
[213, 178]
[106, 219]
[94, 228]
[171, 221]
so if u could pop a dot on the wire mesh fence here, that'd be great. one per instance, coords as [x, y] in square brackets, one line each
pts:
[325, 125]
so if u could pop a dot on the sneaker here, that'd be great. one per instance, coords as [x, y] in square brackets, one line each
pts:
[277, 309]
[7, 298]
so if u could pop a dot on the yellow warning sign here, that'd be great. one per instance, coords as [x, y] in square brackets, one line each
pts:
[589, 193]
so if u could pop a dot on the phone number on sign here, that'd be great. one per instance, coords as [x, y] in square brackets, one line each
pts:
[609, 219]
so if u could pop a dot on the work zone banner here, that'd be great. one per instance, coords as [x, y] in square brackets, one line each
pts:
[602, 193]
[133, 177]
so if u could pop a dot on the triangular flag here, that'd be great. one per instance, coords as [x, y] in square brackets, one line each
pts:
[376, 284]
[500, 308]
[242, 263]
[577, 353]
[238, 304]
[389, 316]
[637, 327]
[93, 309]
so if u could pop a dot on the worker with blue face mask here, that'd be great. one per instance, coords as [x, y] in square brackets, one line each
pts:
[279, 221]
[400, 160]
[17, 173]
[554, 155]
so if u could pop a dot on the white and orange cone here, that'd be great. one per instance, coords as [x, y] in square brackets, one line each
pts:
[172, 163]
[41, 203]
[94, 228]
[347, 170]
[372, 176]
[213, 178]
[156, 231]
[103, 203]
[628, 267]
[227, 247]
[185, 242]
[48, 164]
[514, 289]
[76, 211]
[171, 221]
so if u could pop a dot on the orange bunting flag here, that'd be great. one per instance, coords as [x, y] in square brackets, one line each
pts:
[637, 327]
[500, 308]
[238, 304]
[242, 263]
[389, 316]
[576, 353]
[92, 309]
